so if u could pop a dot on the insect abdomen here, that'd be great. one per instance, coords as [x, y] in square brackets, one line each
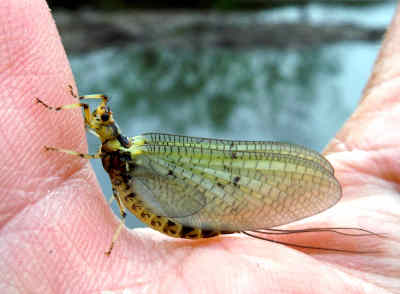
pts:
[171, 227]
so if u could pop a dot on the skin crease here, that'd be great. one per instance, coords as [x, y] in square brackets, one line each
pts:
[55, 224]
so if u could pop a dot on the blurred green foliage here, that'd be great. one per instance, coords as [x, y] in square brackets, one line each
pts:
[194, 4]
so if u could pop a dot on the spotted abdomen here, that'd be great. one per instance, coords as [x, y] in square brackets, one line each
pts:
[164, 224]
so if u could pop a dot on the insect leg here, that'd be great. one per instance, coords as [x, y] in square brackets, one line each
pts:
[58, 108]
[74, 153]
[102, 97]
[86, 110]
[88, 119]
[110, 201]
[121, 224]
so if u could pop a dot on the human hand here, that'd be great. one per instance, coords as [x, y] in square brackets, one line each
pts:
[56, 224]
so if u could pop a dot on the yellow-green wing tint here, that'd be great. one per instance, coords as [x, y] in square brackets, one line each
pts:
[239, 145]
[231, 185]
[164, 189]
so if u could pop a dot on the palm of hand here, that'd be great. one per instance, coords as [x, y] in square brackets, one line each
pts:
[56, 225]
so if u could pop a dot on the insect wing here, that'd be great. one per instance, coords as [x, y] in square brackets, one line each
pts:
[162, 188]
[232, 185]
[270, 147]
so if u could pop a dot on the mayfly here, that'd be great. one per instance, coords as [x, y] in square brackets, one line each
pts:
[191, 187]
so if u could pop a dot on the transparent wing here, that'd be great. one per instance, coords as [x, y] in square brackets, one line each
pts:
[232, 185]
[164, 190]
[271, 147]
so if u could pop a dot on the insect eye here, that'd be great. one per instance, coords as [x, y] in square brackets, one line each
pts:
[105, 117]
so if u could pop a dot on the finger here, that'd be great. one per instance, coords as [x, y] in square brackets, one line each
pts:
[374, 124]
[49, 201]
[385, 68]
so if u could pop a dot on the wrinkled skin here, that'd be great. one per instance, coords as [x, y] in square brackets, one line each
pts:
[56, 224]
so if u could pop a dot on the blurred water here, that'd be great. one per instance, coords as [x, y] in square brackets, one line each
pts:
[376, 14]
[301, 96]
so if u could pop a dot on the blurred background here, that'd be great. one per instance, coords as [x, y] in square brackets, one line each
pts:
[238, 69]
